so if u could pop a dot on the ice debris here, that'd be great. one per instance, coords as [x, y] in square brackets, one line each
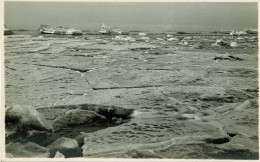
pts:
[109, 29]
[251, 31]
[124, 38]
[173, 39]
[142, 34]
[233, 44]
[237, 32]
[219, 42]
[143, 38]
[183, 42]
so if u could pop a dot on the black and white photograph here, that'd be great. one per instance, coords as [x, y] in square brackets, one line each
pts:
[130, 80]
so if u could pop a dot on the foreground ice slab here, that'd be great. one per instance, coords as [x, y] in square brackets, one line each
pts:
[65, 146]
[26, 150]
[23, 121]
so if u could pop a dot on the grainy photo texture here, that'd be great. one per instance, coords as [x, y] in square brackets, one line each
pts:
[131, 80]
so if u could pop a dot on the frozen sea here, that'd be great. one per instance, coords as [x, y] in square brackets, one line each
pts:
[194, 95]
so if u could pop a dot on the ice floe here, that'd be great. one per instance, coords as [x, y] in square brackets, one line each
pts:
[183, 42]
[8, 31]
[233, 44]
[47, 29]
[173, 39]
[142, 34]
[124, 38]
[109, 29]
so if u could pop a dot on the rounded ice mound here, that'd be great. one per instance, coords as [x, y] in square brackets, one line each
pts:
[77, 117]
[26, 115]
[20, 120]
[66, 146]
[64, 143]
[59, 155]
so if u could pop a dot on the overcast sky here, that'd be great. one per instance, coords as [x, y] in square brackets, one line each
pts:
[168, 16]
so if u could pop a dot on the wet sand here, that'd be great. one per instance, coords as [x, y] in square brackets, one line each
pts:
[189, 101]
